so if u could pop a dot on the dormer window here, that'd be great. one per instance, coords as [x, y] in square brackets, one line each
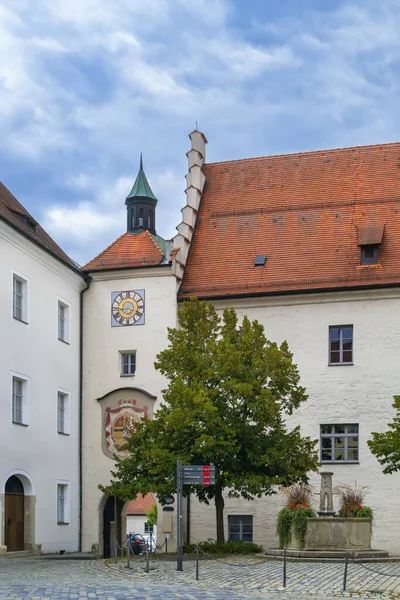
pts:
[369, 255]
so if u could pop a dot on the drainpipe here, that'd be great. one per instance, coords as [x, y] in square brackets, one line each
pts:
[88, 281]
[188, 519]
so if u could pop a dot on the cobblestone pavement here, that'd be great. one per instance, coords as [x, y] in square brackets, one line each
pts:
[222, 579]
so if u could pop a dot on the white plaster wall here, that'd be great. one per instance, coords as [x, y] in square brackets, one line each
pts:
[35, 351]
[361, 394]
[136, 523]
[102, 344]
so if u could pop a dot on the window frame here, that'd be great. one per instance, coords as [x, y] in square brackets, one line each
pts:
[24, 380]
[148, 528]
[241, 532]
[61, 303]
[333, 435]
[63, 519]
[369, 260]
[341, 362]
[128, 353]
[24, 308]
[67, 415]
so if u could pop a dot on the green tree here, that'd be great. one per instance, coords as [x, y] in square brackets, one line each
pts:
[386, 446]
[152, 515]
[229, 391]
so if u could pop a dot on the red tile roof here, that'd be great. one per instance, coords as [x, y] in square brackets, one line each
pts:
[129, 250]
[141, 505]
[15, 215]
[306, 213]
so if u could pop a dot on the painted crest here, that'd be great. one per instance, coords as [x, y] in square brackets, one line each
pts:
[120, 422]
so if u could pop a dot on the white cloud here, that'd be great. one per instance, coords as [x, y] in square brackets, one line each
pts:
[87, 84]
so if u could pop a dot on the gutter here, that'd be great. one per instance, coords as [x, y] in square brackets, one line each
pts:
[88, 281]
[345, 288]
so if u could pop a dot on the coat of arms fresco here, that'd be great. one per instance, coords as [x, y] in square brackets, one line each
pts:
[120, 422]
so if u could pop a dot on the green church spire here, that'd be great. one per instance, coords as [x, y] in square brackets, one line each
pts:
[141, 205]
[141, 187]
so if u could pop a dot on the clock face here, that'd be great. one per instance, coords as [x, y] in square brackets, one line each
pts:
[127, 308]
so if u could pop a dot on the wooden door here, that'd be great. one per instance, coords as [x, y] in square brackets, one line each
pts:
[14, 521]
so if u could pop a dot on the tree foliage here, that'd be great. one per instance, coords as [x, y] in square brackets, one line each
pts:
[229, 391]
[152, 515]
[386, 446]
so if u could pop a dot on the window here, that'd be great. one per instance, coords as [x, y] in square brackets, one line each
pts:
[339, 443]
[20, 298]
[128, 364]
[19, 400]
[62, 503]
[369, 255]
[148, 528]
[151, 220]
[259, 260]
[341, 345]
[63, 321]
[62, 412]
[240, 528]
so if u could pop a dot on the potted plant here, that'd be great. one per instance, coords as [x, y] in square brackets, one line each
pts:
[351, 500]
[292, 519]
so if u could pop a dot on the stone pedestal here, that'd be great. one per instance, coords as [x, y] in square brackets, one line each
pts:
[3, 550]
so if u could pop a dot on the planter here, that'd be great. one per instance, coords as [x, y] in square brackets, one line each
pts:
[338, 533]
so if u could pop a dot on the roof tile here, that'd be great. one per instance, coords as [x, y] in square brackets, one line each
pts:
[129, 250]
[303, 212]
[13, 213]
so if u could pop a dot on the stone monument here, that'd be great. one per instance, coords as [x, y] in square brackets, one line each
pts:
[326, 495]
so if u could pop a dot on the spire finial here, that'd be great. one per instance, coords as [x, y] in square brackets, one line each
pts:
[141, 162]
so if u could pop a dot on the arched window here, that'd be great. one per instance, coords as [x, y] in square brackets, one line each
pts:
[141, 220]
[133, 218]
[14, 486]
[151, 220]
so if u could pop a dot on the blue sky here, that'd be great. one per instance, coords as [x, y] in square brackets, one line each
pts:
[86, 85]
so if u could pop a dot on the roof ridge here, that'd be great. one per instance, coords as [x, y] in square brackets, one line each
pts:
[306, 152]
[105, 250]
[154, 242]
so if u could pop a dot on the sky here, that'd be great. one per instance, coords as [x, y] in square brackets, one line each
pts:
[86, 85]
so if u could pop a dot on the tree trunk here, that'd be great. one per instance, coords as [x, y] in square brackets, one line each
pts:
[219, 509]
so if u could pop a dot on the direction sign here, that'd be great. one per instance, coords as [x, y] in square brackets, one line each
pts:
[198, 474]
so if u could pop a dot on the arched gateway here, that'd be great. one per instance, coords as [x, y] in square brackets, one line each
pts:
[19, 512]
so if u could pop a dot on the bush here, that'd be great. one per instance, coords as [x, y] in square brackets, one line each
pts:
[293, 520]
[298, 494]
[350, 498]
[212, 547]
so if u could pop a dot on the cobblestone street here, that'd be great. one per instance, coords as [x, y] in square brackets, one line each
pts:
[39, 577]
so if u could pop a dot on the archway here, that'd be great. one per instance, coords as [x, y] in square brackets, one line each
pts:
[112, 525]
[19, 503]
[14, 498]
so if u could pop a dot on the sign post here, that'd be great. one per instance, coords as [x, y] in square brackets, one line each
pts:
[179, 536]
[188, 475]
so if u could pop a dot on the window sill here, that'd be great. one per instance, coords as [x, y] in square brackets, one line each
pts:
[340, 462]
[343, 364]
[64, 341]
[62, 523]
[63, 433]
[130, 375]
[21, 424]
[372, 265]
[20, 320]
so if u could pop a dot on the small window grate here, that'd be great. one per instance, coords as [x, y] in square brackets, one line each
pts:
[369, 255]
[260, 260]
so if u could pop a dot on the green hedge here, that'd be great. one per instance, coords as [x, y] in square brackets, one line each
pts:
[212, 547]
